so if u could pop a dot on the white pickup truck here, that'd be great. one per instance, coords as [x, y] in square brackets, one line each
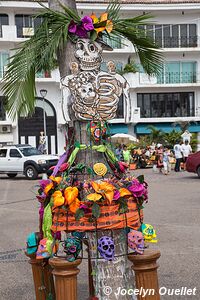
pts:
[24, 159]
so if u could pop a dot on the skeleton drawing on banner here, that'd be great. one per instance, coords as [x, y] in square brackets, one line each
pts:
[94, 94]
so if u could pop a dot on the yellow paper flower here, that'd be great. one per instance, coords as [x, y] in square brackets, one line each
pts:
[71, 193]
[48, 187]
[56, 179]
[94, 197]
[58, 198]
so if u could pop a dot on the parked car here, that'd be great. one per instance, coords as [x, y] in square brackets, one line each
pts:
[193, 163]
[24, 159]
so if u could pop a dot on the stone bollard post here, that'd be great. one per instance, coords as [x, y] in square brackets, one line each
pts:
[146, 277]
[42, 277]
[65, 273]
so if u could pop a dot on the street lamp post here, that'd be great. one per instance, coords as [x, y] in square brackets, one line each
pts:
[43, 94]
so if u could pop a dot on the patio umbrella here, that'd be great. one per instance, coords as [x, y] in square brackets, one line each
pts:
[123, 138]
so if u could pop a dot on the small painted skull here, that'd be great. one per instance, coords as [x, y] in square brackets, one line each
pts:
[72, 247]
[106, 247]
[136, 241]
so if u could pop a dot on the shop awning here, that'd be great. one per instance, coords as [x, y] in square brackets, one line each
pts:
[142, 128]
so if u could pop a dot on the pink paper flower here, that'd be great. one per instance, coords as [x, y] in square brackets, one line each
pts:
[137, 188]
[116, 195]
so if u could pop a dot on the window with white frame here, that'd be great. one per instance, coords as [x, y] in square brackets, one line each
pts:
[3, 62]
[3, 21]
[26, 24]
[178, 72]
[173, 35]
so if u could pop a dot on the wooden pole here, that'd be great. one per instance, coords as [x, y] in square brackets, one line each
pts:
[42, 277]
[65, 273]
[146, 277]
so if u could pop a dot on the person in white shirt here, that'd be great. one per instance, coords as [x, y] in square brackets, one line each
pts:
[178, 155]
[186, 150]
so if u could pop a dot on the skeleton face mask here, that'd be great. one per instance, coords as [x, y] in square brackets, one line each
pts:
[106, 247]
[72, 247]
[136, 241]
[89, 54]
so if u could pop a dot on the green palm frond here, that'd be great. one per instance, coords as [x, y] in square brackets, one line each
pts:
[34, 55]
[113, 10]
[150, 57]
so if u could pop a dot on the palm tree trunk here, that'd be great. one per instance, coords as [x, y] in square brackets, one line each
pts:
[66, 55]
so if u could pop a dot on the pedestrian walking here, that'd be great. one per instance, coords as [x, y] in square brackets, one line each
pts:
[186, 150]
[126, 155]
[166, 161]
[118, 152]
[178, 155]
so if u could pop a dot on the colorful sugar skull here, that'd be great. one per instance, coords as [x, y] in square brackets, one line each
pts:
[148, 233]
[106, 247]
[136, 241]
[42, 251]
[98, 131]
[72, 247]
[32, 242]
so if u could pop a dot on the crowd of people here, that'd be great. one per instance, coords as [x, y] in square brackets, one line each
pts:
[161, 158]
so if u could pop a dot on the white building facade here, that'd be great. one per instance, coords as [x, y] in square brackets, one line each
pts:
[173, 96]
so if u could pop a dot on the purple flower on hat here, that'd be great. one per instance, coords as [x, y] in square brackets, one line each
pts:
[72, 27]
[87, 23]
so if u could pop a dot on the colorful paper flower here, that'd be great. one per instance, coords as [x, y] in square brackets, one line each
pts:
[94, 197]
[58, 198]
[56, 179]
[85, 208]
[105, 189]
[48, 188]
[116, 195]
[107, 24]
[87, 23]
[70, 193]
[136, 188]
[124, 192]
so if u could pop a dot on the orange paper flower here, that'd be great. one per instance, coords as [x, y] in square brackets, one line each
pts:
[71, 193]
[56, 179]
[58, 198]
[74, 205]
[103, 18]
[124, 192]
[105, 189]
[48, 187]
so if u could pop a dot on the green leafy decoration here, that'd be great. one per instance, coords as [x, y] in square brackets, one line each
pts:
[79, 214]
[96, 210]
[34, 55]
[123, 206]
[140, 178]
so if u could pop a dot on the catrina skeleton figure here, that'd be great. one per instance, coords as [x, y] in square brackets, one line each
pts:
[95, 94]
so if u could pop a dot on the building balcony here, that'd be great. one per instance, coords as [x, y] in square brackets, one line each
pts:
[137, 80]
